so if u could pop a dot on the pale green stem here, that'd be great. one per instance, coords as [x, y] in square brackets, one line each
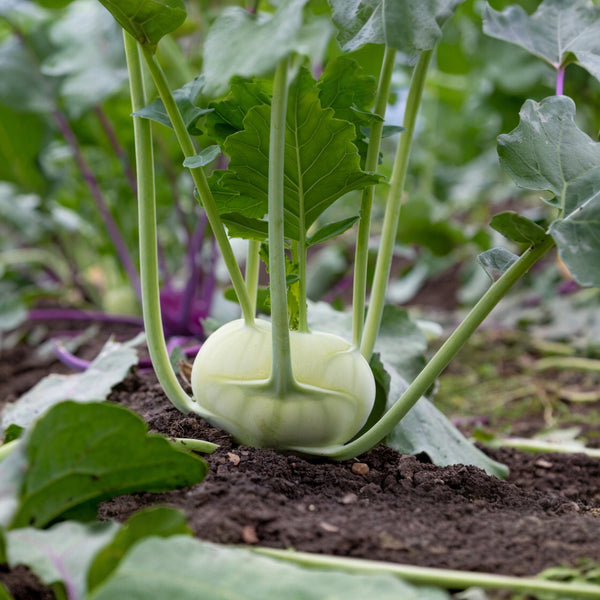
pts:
[393, 207]
[252, 271]
[361, 256]
[199, 178]
[302, 306]
[6, 449]
[439, 361]
[528, 445]
[144, 159]
[443, 578]
[195, 445]
[282, 376]
[568, 362]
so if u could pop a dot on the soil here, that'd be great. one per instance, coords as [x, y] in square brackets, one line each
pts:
[382, 505]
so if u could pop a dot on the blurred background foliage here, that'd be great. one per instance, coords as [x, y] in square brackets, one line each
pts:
[66, 155]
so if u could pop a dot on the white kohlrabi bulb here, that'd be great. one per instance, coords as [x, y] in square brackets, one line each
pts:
[333, 398]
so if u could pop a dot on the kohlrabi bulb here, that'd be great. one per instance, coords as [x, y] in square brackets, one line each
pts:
[333, 397]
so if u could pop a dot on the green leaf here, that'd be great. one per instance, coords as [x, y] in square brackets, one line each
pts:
[205, 157]
[559, 31]
[61, 554]
[4, 593]
[321, 161]
[81, 454]
[496, 261]
[517, 228]
[344, 87]
[223, 186]
[13, 432]
[93, 384]
[331, 230]
[147, 20]
[155, 521]
[578, 240]
[547, 151]
[239, 43]
[410, 27]
[185, 98]
[187, 569]
[227, 116]
[245, 227]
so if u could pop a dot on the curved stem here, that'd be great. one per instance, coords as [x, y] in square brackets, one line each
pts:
[440, 360]
[192, 444]
[282, 376]
[444, 578]
[394, 204]
[199, 178]
[361, 256]
[148, 248]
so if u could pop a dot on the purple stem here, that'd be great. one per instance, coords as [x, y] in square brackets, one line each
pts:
[208, 288]
[68, 359]
[193, 260]
[560, 81]
[74, 314]
[94, 187]
[118, 149]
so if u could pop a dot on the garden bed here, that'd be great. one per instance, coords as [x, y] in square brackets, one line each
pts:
[382, 506]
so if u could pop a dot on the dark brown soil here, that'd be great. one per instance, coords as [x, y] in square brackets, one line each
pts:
[382, 506]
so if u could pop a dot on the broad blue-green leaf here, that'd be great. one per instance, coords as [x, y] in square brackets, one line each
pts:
[496, 261]
[331, 230]
[154, 521]
[185, 98]
[105, 371]
[80, 454]
[245, 227]
[410, 27]
[321, 163]
[240, 43]
[205, 157]
[188, 569]
[517, 228]
[61, 554]
[147, 20]
[547, 151]
[578, 239]
[559, 31]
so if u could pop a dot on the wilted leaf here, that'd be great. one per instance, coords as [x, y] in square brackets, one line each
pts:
[105, 371]
[559, 31]
[80, 454]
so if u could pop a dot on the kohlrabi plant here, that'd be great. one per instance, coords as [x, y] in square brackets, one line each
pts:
[300, 130]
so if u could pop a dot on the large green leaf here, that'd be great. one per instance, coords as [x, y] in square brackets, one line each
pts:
[547, 151]
[156, 521]
[517, 227]
[410, 27]
[60, 555]
[321, 161]
[147, 20]
[187, 569]
[93, 384]
[240, 43]
[559, 31]
[80, 454]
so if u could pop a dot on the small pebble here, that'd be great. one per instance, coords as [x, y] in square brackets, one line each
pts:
[233, 458]
[328, 527]
[249, 535]
[360, 468]
[544, 464]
